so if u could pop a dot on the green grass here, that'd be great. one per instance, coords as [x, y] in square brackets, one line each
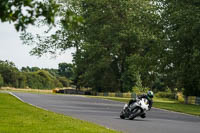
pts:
[178, 107]
[18, 117]
[164, 103]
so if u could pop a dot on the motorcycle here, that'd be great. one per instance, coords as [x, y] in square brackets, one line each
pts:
[136, 109]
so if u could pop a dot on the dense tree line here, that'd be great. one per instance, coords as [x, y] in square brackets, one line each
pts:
[31, 77]
[181, 43]
[125, 43]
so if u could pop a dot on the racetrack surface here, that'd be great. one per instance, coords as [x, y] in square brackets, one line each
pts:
[106, 113]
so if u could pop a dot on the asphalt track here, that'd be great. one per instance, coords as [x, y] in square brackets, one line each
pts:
[106, 113]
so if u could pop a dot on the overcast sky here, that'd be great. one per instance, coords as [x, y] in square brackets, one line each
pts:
[12, 49]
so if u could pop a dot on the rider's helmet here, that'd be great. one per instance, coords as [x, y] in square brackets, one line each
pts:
[150, 94]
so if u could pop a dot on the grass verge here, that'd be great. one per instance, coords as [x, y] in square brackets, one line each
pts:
[26, 90]
[19, 117]
[179, 107]
[164, 103]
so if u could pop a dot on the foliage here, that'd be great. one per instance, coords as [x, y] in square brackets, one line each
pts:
[10, 74]
[159, 84]
[66, 70]
[22, 81]
[114, 32]
[169, 95]
[120, 44]
[30, 69]
[32, 77]
[1, 81]
[182, 49]
[65, 82]
[24, 12]
[34, 81]
[53, 72]
[180, 97]
[42, 80]
[63, 38]
[110, 40]
[140, 90]
[110, 36]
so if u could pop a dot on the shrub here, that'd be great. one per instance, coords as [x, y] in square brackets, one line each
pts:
[33, 81]
[180, 97]
[65, 82]
[42, 80]
[140, 90]
[165, 95]
[57, 83]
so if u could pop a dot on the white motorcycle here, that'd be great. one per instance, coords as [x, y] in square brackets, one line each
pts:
[136, 109]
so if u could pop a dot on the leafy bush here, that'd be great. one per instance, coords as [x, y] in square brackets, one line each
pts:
[42, 80]
[65, 82]
[34, 81]
[57, 83]
[46, 79]
[165, 95]
[140, 90]
[180, 97]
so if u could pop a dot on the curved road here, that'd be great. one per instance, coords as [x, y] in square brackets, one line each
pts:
[106, 113]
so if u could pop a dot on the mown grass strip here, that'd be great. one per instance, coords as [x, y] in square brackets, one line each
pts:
[18, 117]
[26, 90]
[178, 107]
[168, 104]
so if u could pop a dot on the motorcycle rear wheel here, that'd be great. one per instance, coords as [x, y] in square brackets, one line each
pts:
[122, 115]
[133, 114]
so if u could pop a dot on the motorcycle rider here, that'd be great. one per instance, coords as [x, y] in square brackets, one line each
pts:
[148, 96]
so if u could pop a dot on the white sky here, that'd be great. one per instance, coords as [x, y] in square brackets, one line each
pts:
[12, 49]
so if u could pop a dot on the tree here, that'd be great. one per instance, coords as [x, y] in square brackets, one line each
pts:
[9, 73]
[53, 72]
[182, 49]
[35, 69]
[65, 82]
[42, 80]
[25, 12]
[110, 33]
[66, 70]
[1, 81]
[113, 32]
[22, 80]
[26, 69]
